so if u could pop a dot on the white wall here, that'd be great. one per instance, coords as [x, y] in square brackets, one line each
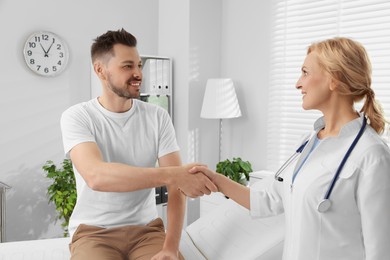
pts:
[205, 57]
[30, 105]
[228, 38]
[174, 42]
[245, 53]
[208, 39]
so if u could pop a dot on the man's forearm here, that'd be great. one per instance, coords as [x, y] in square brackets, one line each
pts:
[176, 213]
[117, 177]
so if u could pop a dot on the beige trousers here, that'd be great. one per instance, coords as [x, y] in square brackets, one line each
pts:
[120, 243]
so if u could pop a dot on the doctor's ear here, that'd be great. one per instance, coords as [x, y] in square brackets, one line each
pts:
[333, 85]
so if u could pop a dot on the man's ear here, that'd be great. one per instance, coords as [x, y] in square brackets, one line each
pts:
[99, 69]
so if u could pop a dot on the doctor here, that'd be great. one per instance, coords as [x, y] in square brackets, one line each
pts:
[336, 195]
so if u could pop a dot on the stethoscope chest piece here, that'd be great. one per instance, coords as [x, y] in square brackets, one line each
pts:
[324, 205]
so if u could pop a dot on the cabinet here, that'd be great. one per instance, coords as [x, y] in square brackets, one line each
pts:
[161, 202]
[156, 88]
[162, 213]
[157, 81]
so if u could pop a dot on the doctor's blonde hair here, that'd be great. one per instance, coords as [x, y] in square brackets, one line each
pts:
[349, 65]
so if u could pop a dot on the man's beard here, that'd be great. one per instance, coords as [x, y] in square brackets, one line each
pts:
[120, 92]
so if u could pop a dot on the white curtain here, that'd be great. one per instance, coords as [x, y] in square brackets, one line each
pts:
[298, 23]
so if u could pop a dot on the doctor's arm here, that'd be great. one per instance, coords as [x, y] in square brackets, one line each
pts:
[176, 212]
[373, 195]
[237, 192]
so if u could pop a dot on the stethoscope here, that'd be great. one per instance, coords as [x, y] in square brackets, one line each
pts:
[326, 203]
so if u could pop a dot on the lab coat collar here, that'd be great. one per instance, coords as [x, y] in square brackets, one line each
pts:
[347, 129]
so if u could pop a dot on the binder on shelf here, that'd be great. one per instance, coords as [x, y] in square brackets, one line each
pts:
[166, 72]
[159, 77]
[149, 80]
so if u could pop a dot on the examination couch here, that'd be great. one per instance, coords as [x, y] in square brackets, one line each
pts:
[228, 232]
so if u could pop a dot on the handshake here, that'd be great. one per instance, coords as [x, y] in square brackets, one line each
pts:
[195, 180]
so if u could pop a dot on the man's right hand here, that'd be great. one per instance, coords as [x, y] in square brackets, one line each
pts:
[192, 184]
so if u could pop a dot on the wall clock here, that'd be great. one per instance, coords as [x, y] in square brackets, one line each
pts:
[45, 53]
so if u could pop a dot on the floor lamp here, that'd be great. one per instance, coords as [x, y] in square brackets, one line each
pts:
[220, 102]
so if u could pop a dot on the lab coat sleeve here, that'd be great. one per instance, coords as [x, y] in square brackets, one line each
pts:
[373, 194]
[265, 198]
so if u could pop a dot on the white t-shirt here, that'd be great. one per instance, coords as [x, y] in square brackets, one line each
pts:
[137, 137]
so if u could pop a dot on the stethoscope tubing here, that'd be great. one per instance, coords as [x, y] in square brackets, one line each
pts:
[325, 204]
[336, 176]
[290, 160]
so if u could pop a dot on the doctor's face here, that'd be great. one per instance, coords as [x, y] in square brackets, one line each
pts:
[314, 83]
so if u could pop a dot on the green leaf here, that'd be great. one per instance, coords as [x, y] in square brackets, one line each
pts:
[62, 192]
[235, 169]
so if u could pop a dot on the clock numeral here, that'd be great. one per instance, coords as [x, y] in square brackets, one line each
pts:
[54, 68]
[32, 61]
[32, 44]
[59, 62]
[45, 37]
[59, 46]
[46, 70]
[38, 67]
[29, 53]
[61, 54]
[37, 39]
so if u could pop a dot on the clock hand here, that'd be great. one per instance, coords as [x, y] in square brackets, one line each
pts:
[50, 47]
[44, 50]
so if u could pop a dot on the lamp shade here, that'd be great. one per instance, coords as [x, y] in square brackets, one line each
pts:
[220, 100]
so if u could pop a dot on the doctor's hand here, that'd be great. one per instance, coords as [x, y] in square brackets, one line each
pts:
[234, 190]
[212, 175]
[193, 184]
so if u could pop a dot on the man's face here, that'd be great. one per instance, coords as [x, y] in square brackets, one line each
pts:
[124, 72]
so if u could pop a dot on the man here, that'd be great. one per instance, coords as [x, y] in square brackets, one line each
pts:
[114, 142]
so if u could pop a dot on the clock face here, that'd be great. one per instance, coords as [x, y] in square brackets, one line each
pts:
[45, 53]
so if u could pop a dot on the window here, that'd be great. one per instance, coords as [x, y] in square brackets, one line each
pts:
[298, 23]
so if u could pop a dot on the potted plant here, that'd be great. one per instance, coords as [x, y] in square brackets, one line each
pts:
[62, 191]
[236, 170]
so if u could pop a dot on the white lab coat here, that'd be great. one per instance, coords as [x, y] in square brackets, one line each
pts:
[357, 226]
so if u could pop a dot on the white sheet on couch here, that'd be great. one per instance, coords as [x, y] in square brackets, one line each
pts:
[43, 249]
[229, 232]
